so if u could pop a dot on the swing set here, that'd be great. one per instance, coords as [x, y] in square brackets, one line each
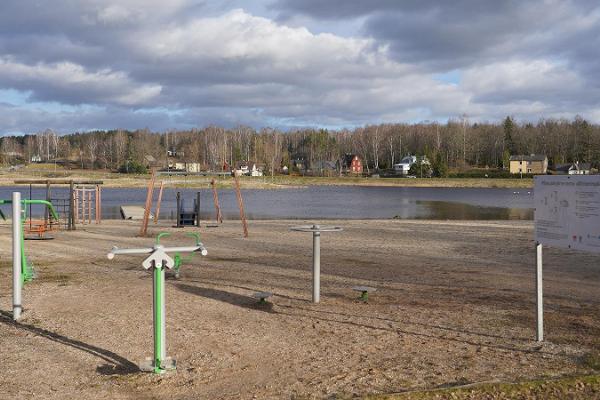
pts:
[27, 270]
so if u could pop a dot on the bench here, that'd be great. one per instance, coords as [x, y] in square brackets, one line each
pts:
[364, 292]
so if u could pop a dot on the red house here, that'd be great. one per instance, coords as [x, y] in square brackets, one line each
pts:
[352, 164]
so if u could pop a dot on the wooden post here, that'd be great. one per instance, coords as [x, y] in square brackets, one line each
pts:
[99, 204]
[148, 205]
[216, 201]
[89, 195]
[178, 217]
[160, 192]
[74, 211]
[83, 204]
[240, 204]
[96, 201]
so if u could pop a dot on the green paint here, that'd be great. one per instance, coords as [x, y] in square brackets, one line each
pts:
[27, 271]
[158, 297]
[364, 296]
[161, 235]
[178, 262]
[178, 258]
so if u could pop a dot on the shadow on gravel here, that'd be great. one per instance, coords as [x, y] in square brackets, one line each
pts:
[226, 297]
[115, 364]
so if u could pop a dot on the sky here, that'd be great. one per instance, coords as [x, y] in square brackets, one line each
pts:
[77, 65]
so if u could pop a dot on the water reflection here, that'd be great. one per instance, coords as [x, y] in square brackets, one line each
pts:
[462, 211]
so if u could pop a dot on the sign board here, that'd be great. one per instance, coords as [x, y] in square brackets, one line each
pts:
[567, 211]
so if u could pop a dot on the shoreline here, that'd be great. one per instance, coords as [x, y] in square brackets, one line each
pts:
[117, 180]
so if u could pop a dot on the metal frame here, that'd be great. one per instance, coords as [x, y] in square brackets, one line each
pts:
[158, 260]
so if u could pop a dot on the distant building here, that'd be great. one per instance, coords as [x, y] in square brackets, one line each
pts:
[192, 167]
[150, 161]
[404, 165]
[531, 164]
[36, 158]
[325, 168]
[575, 168]
[351, 163]
[244, 168]
[299, 164]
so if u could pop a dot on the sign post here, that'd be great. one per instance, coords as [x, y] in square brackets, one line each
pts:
[539, 302]
[567, 215]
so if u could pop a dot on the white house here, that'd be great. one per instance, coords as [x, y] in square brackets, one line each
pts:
[404, 165]
[255, 171]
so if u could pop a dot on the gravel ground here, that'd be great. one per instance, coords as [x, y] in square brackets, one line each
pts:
[455, 305]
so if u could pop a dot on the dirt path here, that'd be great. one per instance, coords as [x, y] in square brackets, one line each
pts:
[455, 304]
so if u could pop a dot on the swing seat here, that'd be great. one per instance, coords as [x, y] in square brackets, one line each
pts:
[38, 228]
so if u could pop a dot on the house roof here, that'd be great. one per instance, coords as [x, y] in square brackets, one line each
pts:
[531, 157]
[572, 166]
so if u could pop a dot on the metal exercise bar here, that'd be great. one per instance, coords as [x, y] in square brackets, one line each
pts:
[316, 272]
[158, 261]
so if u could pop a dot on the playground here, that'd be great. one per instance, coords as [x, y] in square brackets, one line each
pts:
[455, 304]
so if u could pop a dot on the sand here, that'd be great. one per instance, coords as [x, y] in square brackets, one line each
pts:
[455, 305]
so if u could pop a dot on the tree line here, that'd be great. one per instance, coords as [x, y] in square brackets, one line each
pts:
[457, 144]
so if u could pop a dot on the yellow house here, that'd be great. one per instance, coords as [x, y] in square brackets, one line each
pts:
[532, 164]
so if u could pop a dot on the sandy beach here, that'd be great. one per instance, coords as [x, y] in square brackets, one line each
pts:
[455, 305]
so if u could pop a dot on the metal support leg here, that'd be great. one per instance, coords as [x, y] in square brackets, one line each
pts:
[16, 249]
[198, 209]
[316, 266]
[539, 295]
[178, 209]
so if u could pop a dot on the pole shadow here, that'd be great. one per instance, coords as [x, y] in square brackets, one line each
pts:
[226, 297]
[115, 364]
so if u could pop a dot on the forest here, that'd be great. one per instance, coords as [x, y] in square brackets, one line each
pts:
[457, 145]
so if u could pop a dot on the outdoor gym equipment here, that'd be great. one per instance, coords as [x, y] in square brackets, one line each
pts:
[17, 250]
[27, 273]
[364, 292]
[158, 260]
[262, 296]
[316, 231]
[178, 259]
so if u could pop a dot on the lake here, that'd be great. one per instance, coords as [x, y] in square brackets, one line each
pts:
[324, 202]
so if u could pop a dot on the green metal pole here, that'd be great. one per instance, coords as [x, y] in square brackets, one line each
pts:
[159, 319]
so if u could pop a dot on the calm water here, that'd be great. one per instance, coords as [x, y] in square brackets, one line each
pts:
[325, 202]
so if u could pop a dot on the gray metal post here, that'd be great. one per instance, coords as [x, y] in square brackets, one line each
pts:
[316, 273]
[178, 209]
[16, 250]
[316, 265]
[540, 295]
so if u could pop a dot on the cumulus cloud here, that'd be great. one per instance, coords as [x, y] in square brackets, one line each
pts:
[187, 63]
[71, 84]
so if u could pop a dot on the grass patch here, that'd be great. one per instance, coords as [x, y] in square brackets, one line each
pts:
[113, 179]
[61, 279]
[581, 387]
[591, 360]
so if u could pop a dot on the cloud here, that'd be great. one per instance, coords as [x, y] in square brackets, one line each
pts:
[186, 63]
[71, 84]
